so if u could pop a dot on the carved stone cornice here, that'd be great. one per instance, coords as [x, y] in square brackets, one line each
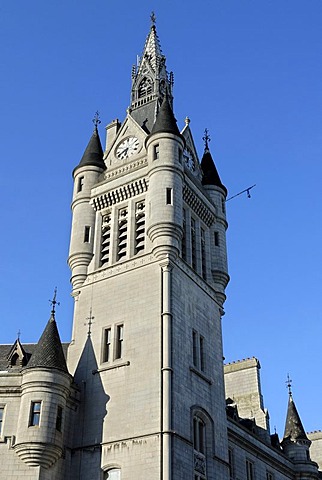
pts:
[120, 194]
[198, 206]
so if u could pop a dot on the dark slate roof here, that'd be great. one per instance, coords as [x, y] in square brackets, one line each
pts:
[293, 427]
[29, 349]
[93, 154]
[49, 351]
[165, 121]
[209, 170]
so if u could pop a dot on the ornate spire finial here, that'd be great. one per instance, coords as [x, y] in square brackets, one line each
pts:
[289, 385]
[90, 322]
[53, 303]
[18, 334]
[206, 138]
[96, 120]
[153, 18]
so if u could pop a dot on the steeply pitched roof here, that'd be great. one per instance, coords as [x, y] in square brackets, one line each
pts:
[165, 121]
[93, 155]
[152, 50]
[209, 170]
[49, 351]
[293, 427]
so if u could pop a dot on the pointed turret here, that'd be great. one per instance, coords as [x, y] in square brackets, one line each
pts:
[49, 351]
[209, 170]
[150, 82]
[93, 155]
[45, 389]
[294, 430]
[295, 443]
[165, 121]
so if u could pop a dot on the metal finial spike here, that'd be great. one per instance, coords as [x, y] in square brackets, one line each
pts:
[18, 334]
[153, 18]
[90, 322]
[96, 120]
[289, 385]
[206, 138]
[53, 302]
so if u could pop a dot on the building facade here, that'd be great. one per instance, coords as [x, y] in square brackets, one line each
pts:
[139, 392]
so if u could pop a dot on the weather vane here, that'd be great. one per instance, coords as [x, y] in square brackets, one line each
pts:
[90, 322]
[96, 119]
[289, 385]
[206, 138]
[53, 302]
[153, 18]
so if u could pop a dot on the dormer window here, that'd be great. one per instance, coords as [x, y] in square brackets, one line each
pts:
[145, 87]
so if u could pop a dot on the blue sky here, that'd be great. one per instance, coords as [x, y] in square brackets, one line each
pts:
[250, 71]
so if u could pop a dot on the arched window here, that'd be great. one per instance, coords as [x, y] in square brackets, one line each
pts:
[145, 87]
[202, 439]
[113, 474]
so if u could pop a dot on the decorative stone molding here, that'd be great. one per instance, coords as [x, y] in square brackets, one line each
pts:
[37, 454]
[198, 206]
[118, 172]
[120, 194]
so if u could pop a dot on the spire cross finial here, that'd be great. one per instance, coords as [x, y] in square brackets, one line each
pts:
[96, 119]
[18, 334]
[153, 18]
[53, 302]
[206, 138]
[289, 385]
[89, 323]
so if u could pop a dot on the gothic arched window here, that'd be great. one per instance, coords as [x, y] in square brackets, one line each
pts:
[145, 87]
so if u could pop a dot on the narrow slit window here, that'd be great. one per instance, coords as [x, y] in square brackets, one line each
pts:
[203, 254]
[35, 410]
[59, 418]
[107, 345]
[106, 239]
[87, 234]
[202, 353]
[249, 470]
[223, 206]
[122, 234]
[195, 348]
[1, 419]
[139, 227]
[216, 236]
[193, 244]
[169, 196]
[119, 341]
[156, 151]
[80, 184]
[184, 236]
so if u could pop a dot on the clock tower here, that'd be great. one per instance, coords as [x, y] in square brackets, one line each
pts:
[148, 271]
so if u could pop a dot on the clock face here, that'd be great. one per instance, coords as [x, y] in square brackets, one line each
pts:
[127, 148]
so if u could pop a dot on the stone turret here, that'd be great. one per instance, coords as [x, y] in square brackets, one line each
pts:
[45, 389]
[164, 150]
[218, 193]
[86, 175]
[296, 444]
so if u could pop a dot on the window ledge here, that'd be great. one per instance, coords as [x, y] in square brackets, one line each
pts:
[111, 367]
[201, 375]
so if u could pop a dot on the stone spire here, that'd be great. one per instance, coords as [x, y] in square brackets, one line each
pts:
[150, 82]
[294, 430]
[49, 351]
[165, 121]
[93, 155]
[209, 170]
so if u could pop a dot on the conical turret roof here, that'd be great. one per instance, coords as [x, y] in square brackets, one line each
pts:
[209, 170]
[49, 351]
[293, 427]
[165, 121]
[93, 155]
